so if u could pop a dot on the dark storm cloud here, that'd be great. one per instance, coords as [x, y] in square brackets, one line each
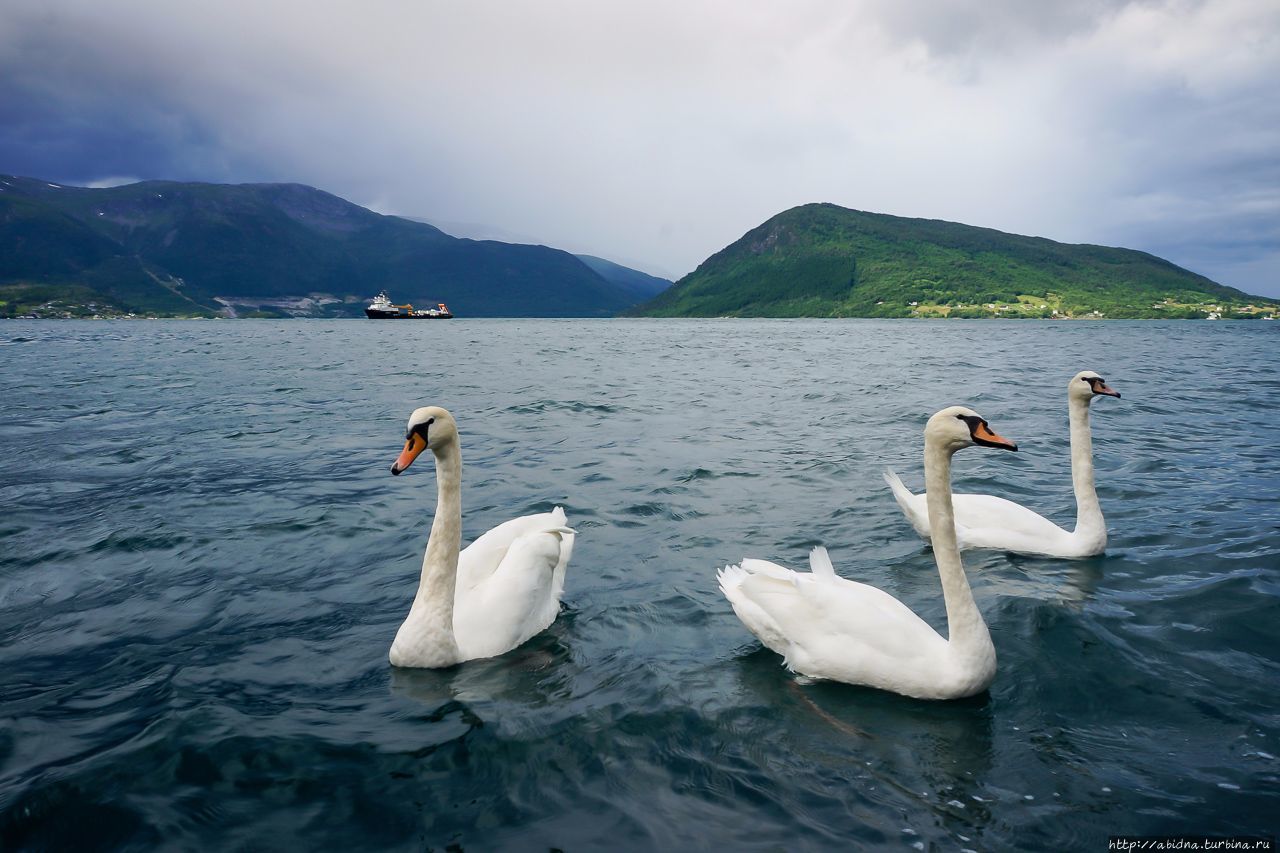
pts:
[655, 133]
[44, 136]
[79, 105]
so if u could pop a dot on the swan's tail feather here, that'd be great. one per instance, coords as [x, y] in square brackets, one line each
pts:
[900, 491]
[820, 564]
[730, 577]
[756, 619]
[912, 508]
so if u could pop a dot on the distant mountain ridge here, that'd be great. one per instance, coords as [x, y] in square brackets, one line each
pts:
[822, 260]
[194, 248]
[639, 284]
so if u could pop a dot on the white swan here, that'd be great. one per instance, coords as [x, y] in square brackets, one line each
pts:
[986, 521]
[827, 627]
[488, 599]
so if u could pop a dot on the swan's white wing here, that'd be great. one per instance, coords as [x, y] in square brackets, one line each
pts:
[478, 561]
[982, 512]
[985, 521]
[829, 627]
[520, 595]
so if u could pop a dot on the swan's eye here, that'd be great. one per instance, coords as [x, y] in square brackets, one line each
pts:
[961, 418]
[430, 421]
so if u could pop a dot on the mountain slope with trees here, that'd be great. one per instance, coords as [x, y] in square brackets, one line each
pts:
[821, 260]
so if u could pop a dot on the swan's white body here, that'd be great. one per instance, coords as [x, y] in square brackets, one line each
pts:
[827, 627]
[987, 521]
[483, 601]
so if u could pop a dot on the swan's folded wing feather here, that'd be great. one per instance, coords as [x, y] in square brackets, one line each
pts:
[863, 635]
[982, 521]
[482, 557]
[567, 539]
[519, 598]
[821, 625]
[764, 568]
[982, 518]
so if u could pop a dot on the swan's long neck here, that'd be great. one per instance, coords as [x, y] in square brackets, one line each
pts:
[966, 631]
[433, 605]
[1089, 521]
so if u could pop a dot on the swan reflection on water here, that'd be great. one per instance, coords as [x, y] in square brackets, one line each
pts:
[879, 738]
[1073, 582]
[520, 684]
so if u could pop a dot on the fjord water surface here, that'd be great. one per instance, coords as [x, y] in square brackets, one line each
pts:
[204, 558]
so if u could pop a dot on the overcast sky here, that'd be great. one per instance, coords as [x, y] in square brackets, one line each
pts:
[655, 133]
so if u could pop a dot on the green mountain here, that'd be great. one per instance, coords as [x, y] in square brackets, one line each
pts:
[820, 260]
[275, 249]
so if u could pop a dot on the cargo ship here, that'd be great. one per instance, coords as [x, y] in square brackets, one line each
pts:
[383, 309]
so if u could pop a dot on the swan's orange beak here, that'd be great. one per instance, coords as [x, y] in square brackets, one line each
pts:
[1101, 387]
[413, 447]
[983, 435]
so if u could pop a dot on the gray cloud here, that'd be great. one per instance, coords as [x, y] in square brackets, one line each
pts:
[655, 133]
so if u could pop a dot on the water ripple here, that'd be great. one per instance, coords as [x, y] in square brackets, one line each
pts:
[203, 560]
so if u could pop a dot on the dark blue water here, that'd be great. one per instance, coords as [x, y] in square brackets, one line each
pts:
[203, 561]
